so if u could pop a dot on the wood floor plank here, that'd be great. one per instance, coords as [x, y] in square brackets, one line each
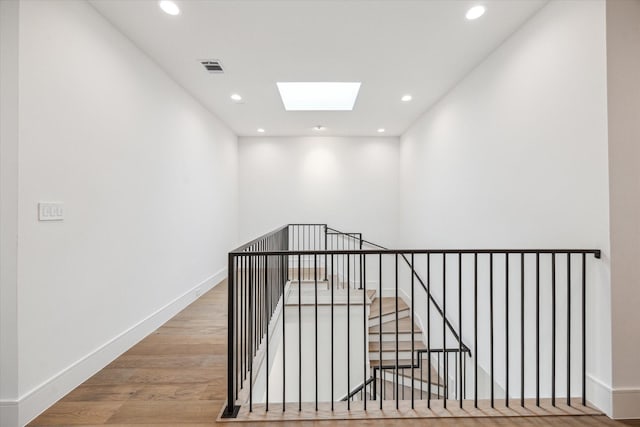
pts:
[99, 393]
[78, 413]
[165, 412]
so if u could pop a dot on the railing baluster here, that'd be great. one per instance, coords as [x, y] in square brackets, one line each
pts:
[522, 329]
[475, 330]
[233, 304]
[396, 369]
[553, 329]
[428, 331]
[444, 328]
[382, 385]
[459, 385]
[412, 337]
[315, 302]
[506, 328]
[364, 324]
[230, 337]
[491, 326]
[348, 334]
[267, 336]
[537, 329]
[568, 329]
[299, 339]
[251, 333]
[332, 381]
[584, 327]
[284, 349]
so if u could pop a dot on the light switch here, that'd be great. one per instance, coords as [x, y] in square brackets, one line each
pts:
[51, 211]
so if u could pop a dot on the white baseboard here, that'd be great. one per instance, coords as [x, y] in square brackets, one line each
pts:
[8, 413]
[36, 401]
[599, 394]
[625, 403]
[617, 403]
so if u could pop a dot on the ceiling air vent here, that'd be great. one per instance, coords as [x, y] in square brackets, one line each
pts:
[213, 66]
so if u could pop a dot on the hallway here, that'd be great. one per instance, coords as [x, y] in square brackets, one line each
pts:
[176, 376]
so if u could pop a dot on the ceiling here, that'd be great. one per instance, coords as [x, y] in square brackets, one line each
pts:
[394, 47]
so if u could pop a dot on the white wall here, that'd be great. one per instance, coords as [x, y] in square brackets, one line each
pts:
[515, 156]
[9, 12]
[349, 183]
[148, 181]
[623, 39]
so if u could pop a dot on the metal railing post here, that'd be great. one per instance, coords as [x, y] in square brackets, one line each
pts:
[232, 410]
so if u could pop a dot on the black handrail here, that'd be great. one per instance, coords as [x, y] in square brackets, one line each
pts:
[357, 390]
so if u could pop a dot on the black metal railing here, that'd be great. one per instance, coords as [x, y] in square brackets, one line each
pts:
[511, 304]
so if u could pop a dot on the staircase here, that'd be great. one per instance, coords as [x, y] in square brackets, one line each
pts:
[395, 342]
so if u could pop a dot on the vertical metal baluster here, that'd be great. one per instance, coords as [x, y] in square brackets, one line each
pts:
[444, 329]
[537, 329]
[568, 329]
[584, 328]
[230, 335]
[382, 375]
[491, 325]
[522, 329]
[475, 329]
[284, 323]
[396, 372]
[315, 283]
[553, 329]
[332, 393]
[506, 327]
[266, 300]
[251, 333]
[464, 372]
[412, 332]
[438, 374]
[429, 330]
[238, 338]
[375, 384]
[243, 319]
[348, 334]
[459, 385]
[325, 254]
[363, 264]
[299, 338]
[344, 258]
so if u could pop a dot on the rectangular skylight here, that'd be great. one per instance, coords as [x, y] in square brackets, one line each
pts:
[319, 96]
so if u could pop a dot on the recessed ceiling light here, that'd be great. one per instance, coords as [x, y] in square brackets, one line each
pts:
[319, 128]
[236, 97]
[260, 130]
[406, 98]
[381, 130]
[169, 7]
[475, 12]
[318, 96]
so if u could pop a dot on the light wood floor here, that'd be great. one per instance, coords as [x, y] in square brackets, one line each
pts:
[176, 376]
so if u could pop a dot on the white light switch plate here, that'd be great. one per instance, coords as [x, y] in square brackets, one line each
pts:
[51, 211]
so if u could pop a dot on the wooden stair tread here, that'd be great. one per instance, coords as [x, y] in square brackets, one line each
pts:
[388, 306]
[404, 326]
[391, 363]
[374, 346]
